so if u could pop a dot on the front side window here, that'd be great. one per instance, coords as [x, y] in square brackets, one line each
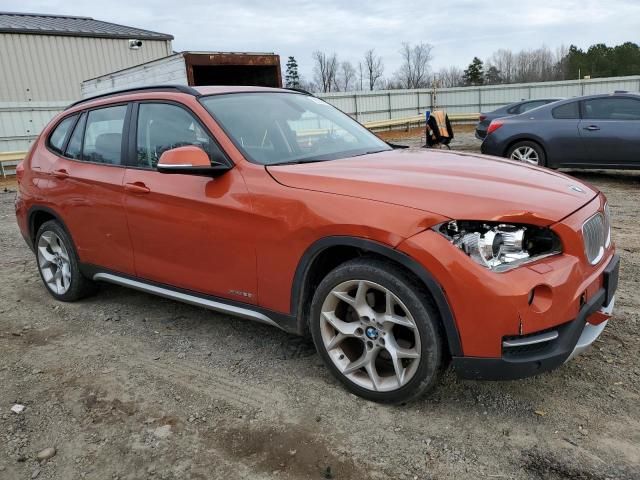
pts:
[103, 135]
[612, 109]
[163, 126]
[277, 128]
[568, 111]
[59, 135]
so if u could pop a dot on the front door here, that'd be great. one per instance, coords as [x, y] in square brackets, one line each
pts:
[187, 230]
[610, 131]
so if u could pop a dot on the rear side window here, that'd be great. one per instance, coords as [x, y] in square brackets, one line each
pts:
[568, 111]
[163, 126]
[103, 135]
[612, 109]
[60, 133]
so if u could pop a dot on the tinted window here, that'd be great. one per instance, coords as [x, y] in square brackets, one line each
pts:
[612, 109]
[74, 149]
[568, 111]
[162, 127]
[103, 135]
[59, 135]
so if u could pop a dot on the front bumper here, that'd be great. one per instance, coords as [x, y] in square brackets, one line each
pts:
[554, 348]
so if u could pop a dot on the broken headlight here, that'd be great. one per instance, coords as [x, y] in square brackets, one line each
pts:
[500, 246]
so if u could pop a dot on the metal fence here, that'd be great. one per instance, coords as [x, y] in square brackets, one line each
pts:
[21, 122]
[390, 104]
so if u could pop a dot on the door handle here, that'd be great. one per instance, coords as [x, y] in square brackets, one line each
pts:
[137, 187]
[61, 174]
[592, 128]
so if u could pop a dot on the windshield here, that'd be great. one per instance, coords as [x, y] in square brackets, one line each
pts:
[279, 128]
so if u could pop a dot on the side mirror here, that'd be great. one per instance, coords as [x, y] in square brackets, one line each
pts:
[190, 160]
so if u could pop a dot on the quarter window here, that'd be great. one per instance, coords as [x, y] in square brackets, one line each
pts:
[612, 109]
[162, 126]
[103, 135]
[59, 135]
[568, 111]
[74, 149]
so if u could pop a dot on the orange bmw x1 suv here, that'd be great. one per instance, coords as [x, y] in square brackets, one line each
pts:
[274, 206]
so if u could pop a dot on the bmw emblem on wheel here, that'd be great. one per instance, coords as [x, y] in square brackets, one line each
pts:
[372, 333]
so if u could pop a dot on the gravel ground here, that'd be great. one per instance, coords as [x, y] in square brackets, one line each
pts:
[128, 386]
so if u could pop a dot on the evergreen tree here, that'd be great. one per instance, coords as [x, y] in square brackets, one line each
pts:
[292, 79]
[474, 74]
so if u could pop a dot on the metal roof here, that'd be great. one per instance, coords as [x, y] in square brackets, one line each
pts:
[67, 25]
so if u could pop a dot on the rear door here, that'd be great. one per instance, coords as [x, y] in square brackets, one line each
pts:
[86, 184]
[563, 143]
[188, 231]
[610, 130]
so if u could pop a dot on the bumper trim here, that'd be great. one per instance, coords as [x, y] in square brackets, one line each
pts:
[533, 340]
[574, 337]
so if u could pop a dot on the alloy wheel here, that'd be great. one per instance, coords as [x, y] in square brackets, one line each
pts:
[526, 154]
[54, 263]
[370, 336]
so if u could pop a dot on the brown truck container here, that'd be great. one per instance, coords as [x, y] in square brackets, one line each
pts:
[193, 69]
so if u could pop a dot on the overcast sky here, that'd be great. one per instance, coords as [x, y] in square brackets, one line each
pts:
[458, 29]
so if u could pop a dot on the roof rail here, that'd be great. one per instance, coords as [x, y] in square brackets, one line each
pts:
[151, 88]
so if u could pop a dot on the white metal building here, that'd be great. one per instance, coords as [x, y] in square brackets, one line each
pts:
[45, 58]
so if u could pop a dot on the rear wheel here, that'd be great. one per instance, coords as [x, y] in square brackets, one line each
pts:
[527, 152]
[376, 331]
[58, 264]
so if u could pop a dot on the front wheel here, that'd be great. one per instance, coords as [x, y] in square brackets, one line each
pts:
[528, 152]
[377, 331]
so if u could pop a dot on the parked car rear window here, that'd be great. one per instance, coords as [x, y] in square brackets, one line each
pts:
[612, 109]
[162, 127]
[531, 105]
[103, 135]
[568, 111]
[59, 135]
[272, 128]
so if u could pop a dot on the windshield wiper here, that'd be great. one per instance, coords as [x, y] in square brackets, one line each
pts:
[297, 162]
[370, 152]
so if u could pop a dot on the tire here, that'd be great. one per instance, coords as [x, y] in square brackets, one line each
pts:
[58, 264]
[356, 340]
[519, 151]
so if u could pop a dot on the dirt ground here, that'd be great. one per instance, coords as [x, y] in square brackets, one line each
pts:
[129, 386]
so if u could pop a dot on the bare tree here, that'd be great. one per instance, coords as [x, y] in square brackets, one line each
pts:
[325, 70]
[449, 77]
[503, 61]
[346, 76]
[562, 62]
[414, 71]
[374, 67]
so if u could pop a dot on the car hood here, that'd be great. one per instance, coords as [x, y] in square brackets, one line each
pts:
[453, 184]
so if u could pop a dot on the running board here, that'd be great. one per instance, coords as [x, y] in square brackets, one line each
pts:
[186, 298]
